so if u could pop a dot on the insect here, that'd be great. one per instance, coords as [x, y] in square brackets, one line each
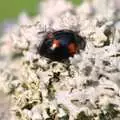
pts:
[60, 45]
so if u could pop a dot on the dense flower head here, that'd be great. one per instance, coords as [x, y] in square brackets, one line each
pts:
[86, 87]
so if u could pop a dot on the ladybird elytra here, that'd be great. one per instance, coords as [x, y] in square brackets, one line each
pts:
[60, 45]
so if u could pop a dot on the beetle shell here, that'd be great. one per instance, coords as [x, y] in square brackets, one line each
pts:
[60, 45]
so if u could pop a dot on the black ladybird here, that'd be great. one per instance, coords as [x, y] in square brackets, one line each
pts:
[60, 45]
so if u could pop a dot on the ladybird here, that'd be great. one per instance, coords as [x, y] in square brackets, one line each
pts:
[60, 45]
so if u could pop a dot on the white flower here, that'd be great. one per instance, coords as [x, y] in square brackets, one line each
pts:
[44, 89]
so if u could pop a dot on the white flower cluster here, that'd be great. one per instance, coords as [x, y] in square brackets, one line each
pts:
[87, 88]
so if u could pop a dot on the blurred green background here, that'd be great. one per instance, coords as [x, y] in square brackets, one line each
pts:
[12, 8]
